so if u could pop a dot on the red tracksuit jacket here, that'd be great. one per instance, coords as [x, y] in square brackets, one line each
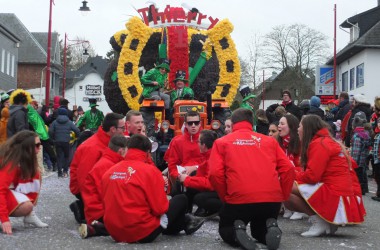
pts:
[248, 167]
[85, 158]
[200, 181]
[183, 150]
[134, 198]
[91, 190]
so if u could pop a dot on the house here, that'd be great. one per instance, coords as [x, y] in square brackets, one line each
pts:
[87, 82]
[300, 88]
[31, 60]
[358, 62]
[9, 44]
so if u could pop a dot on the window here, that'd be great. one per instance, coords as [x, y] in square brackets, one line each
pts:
[8, 63]
[352, 78]
[345, 81]
[3, 60]
[360, 75]
[13, 66]
[354, 33]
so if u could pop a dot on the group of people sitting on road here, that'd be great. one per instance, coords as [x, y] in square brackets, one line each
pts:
[244, 177]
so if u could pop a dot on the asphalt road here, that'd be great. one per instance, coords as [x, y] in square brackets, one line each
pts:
[53, 208]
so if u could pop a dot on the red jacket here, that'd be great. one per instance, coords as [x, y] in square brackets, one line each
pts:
[88, 153]
[326, 163]
[91, 190]
[11, 180]
[248, 167]
[134, 198]
[183, 150]
[200, 181]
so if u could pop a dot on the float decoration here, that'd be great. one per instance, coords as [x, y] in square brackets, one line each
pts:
[205, 43]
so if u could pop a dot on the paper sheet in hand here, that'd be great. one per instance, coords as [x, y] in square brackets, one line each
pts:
[181, 169]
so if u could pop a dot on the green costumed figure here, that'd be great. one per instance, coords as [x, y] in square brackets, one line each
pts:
[37, 123]
[154, 80]
[92, 118]
[248, 103]
[181, 92]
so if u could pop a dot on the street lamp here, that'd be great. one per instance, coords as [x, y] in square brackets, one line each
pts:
[84, 7]
[85, 53]
[47, 85]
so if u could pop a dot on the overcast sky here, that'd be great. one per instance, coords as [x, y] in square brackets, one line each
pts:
[248, 16]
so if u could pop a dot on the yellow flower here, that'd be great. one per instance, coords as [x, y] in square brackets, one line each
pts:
[127, 69]
[229, 64]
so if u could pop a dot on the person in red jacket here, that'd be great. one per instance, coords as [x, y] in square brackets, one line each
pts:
[207, 199]
[326, 190]
[136, 209]
[91, 190]
[134, 122]
[184, 150]
[20, 180]
[290, 143]
[252, 176]
[87, 154]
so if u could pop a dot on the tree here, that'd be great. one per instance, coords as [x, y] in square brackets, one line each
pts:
[245, 78]
[297, 47]
[254, 62]
[74, 53]
[111, 54]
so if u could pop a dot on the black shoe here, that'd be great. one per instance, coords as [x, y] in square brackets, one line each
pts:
[273, 235]
[375, 198]
[193, 224]
[205, 214]
[200, 212]
[241, 236]
[76, 210]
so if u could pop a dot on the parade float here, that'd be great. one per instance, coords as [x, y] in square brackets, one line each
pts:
[192, 40]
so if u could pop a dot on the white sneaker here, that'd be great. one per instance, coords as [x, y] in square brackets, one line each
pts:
[319, 227]
[287, 213]
[33, 220]
[298, 216]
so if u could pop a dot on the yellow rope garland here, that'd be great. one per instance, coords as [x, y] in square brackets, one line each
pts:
[137, 30]
[118, 35]
[222, 30]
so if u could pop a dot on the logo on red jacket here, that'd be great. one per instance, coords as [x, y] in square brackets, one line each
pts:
[254, 141]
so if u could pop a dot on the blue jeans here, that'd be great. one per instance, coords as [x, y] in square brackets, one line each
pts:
[63, 151]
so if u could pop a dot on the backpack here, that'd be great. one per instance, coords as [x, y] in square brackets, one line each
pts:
[344, 125]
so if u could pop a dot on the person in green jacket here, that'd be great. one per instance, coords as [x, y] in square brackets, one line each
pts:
[154, 80]
[92, 118]
[248, 103]
[181, 92]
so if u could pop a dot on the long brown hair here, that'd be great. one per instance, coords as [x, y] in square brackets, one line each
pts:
[20, 150]
[311, 124]
[294, 143]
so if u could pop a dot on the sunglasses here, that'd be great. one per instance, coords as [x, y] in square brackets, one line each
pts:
[196, 123]
[38, 145]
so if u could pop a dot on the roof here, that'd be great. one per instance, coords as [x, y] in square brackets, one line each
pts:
[9, 34]
[95, 64]
[30, 50]
[369, 35]
[364, 20]
[42, 38]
